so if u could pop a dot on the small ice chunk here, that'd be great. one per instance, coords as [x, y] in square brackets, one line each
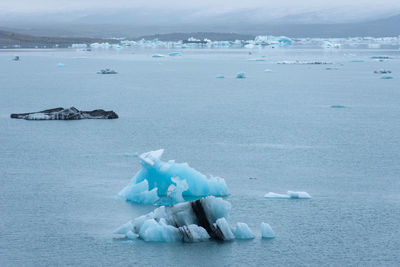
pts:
[288, 195]
[223, 226]
[338, 106]
[268, 70]
[386, 77]
[266, 231]
[157, 56]
[241, 75]
[174, 54]
[220, 76]
[61, 65]
[242, 231]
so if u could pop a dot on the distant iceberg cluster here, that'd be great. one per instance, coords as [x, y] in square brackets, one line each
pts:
[201, 220]
[262, 41]
[167, 183]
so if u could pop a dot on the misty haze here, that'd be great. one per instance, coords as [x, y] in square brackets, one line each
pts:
[199, 133]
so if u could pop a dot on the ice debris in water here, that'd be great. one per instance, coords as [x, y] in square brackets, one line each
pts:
[174, 54]
[338, 106]
[288, 195]
[266, 231]
[241, 75]
[60, 65]
[256, 59]
[157, 56]
[220, 76]
[300, 62]
[167, 183]
[382, 71]
[242, 231]
[195, 221]
[268, 70]
[386, 77]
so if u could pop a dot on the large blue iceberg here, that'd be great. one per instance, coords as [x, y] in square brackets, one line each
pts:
[167, 183]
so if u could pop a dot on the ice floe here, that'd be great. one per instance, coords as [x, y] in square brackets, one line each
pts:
[200, 220]
[167, 183]
[288, 195]
[386, 77]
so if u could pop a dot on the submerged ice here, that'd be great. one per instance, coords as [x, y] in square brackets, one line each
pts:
[169, 182]
[200, 220]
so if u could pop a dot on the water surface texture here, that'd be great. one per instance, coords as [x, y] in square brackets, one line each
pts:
[59, 179]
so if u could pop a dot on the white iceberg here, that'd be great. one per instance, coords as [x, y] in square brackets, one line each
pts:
[195, 221]
[242, 231]
[288, 195]
[266, 231]
[167, 183]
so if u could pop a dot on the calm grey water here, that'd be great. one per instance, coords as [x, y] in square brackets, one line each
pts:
[59, 179]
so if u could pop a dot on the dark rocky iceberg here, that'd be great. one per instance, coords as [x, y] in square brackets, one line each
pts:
[71, 113]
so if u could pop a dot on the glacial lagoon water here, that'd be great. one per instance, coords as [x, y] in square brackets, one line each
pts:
[282, 129]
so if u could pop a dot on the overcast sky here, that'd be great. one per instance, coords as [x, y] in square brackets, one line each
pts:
[340, 10]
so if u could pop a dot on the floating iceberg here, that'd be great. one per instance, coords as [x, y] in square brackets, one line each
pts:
[157, 56]
[266, 231]
[200, 220]
[220, 76]
[60, 65]
[268, 70]
[288, 195]
[242, 231]
[174, 54]
[386, 77]
[167, 183]
[241, 75]
[107, 71]
[338, 106]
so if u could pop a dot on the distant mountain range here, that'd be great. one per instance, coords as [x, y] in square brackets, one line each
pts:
[12, 39]
[88, 28]
[64, 36]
